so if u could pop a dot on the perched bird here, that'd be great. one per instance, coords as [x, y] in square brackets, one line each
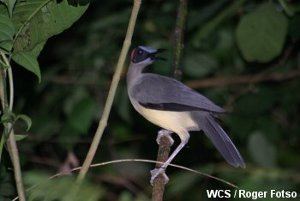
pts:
[175, 107]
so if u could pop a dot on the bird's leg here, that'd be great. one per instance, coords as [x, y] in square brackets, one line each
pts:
[154, 173]
[167, 136]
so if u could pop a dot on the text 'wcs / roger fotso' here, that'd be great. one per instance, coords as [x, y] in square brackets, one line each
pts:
[251, 194]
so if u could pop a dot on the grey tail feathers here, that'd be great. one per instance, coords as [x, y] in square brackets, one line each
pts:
[220, 139]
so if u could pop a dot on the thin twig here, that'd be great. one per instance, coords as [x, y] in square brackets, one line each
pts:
[11, 88]
[112, 91]
[135, 160]
[165, 144]
[11, 142]
[2, 97]
[153, 161]
[10, 80]
[243, 79]
[14, 154]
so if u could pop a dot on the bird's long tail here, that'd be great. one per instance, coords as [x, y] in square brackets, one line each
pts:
[220, 139]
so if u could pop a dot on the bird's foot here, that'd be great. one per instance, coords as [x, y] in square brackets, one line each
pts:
[164, 133]
[156, 172]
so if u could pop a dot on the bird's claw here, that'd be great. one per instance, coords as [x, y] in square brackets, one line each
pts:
[164, 133]
[156, 172]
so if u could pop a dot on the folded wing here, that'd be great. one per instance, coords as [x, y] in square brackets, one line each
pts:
[163, 93]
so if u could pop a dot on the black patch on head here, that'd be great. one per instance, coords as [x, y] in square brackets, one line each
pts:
[139, 55]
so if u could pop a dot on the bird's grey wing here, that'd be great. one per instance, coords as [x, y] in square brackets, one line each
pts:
[164, 93]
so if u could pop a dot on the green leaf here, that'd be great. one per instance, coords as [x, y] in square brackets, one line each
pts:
[7, 117]
[261, 150]
[20, 137]
[10, 6]
[26, 119]
[261, 34]
[38, 20]
[7, 31]
[37, 49]
[29, 62]
[6, 46]
[3, 9]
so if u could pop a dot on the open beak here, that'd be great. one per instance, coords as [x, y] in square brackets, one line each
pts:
[155, 57]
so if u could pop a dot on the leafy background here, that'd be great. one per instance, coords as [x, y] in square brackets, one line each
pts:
[224, 39]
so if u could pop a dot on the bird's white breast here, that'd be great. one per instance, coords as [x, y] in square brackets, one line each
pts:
[170, 120]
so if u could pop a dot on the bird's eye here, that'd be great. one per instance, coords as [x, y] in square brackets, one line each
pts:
[140, 52]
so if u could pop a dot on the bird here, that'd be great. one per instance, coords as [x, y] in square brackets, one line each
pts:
[176, 108]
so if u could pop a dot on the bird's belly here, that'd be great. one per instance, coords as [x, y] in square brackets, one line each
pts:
[170, 120]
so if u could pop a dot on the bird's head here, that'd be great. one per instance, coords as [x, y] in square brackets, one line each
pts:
[145, 55]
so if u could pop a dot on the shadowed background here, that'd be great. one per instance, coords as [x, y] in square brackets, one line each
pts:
[255, 77]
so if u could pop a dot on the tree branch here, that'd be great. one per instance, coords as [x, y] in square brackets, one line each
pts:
[162, 156]
[243, 79]
[165, 144]
[111, 93]
[11, 141]
[179, 38]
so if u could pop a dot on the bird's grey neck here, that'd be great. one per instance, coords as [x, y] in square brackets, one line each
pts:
[134, 72]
